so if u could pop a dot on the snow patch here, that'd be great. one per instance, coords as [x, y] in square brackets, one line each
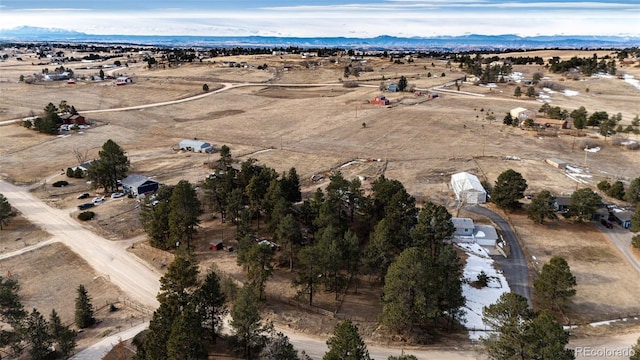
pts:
[631, 80]
[571, 93]
[477, 262]
[593, 150]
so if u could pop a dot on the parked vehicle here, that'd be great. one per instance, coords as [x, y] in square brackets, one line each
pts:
[97, 200]
[83, 196]
[606, 223]
[85, 206]
[117, 195]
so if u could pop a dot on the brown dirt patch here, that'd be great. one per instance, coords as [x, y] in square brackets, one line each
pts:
[19, 233]
[44, 289]
[280, 92]
[212, 115]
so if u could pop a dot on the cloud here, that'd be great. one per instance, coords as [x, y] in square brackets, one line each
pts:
[392, 17]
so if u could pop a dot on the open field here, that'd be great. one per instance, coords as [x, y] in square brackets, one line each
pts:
[318, 130]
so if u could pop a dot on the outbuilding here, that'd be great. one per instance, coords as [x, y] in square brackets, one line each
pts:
[196, 146]
[137, 185]
[522, 114]
[557, 163]
[380, 100]
[123, 80]
[468, 188]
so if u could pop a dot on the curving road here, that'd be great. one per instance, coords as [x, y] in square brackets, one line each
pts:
[514, 267]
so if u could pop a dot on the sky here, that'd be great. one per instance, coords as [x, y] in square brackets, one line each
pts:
[327, 18]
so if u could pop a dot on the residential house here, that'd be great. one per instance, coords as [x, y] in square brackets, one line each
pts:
[468, 232]
[562, 203]
[69, 118]
[521, 114]
[623, 218]
[137, 185]
[550, 123]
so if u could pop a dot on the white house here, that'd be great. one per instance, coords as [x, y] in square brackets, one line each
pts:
[123, 80]
[468, 188]
[467, 232]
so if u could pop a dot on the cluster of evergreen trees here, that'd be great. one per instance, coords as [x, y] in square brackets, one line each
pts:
[328, 240]
[42, 339]
[588, 66]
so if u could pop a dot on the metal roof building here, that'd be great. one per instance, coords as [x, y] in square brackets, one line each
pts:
[468, 188]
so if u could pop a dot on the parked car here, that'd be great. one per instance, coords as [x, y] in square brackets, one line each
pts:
[85, 206]
[117, 195]
[606, 223]
[97, 200]
[83, 196]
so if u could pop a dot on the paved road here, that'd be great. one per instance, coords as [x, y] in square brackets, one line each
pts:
[515, 266]
[621, 238]
[101, 348]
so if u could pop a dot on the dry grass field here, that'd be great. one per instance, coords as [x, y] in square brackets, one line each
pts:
[320, 129]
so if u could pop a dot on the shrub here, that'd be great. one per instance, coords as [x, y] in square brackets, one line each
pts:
[60, 183]
[483, 279]
[86, 215]
[635, 242]
[28, 124]
[78, 173]
[70, 172]
[604, 186]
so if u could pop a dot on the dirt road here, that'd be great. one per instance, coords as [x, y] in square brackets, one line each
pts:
[621, 238]
[108, 258]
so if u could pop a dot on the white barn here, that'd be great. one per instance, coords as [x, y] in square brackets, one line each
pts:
[468, 188]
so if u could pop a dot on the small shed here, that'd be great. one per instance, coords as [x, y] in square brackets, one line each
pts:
[196, 146]
[557, 163]
[623, 218]
[137, 185]
[380, 100]
[216, 245]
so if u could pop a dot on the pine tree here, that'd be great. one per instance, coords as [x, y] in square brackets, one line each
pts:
[177, 284]
[278, 347]
[62, 336]
[556, 284]
[346, 343]
[112, 165]
[520, 333]
[246, 321]
[157, 336]
[37, 336]
[6, 211]
[210, 301]
[509, 187]
[289, 235]
[584, 203]
[84, 309]
[517, 92]
[636, 351]
[541, 208]
[185, 340]
[184, 210]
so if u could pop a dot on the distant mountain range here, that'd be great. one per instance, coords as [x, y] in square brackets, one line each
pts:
[453, 43]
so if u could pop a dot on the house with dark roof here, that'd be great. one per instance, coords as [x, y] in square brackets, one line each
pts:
[562, 203]
[137, 185]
